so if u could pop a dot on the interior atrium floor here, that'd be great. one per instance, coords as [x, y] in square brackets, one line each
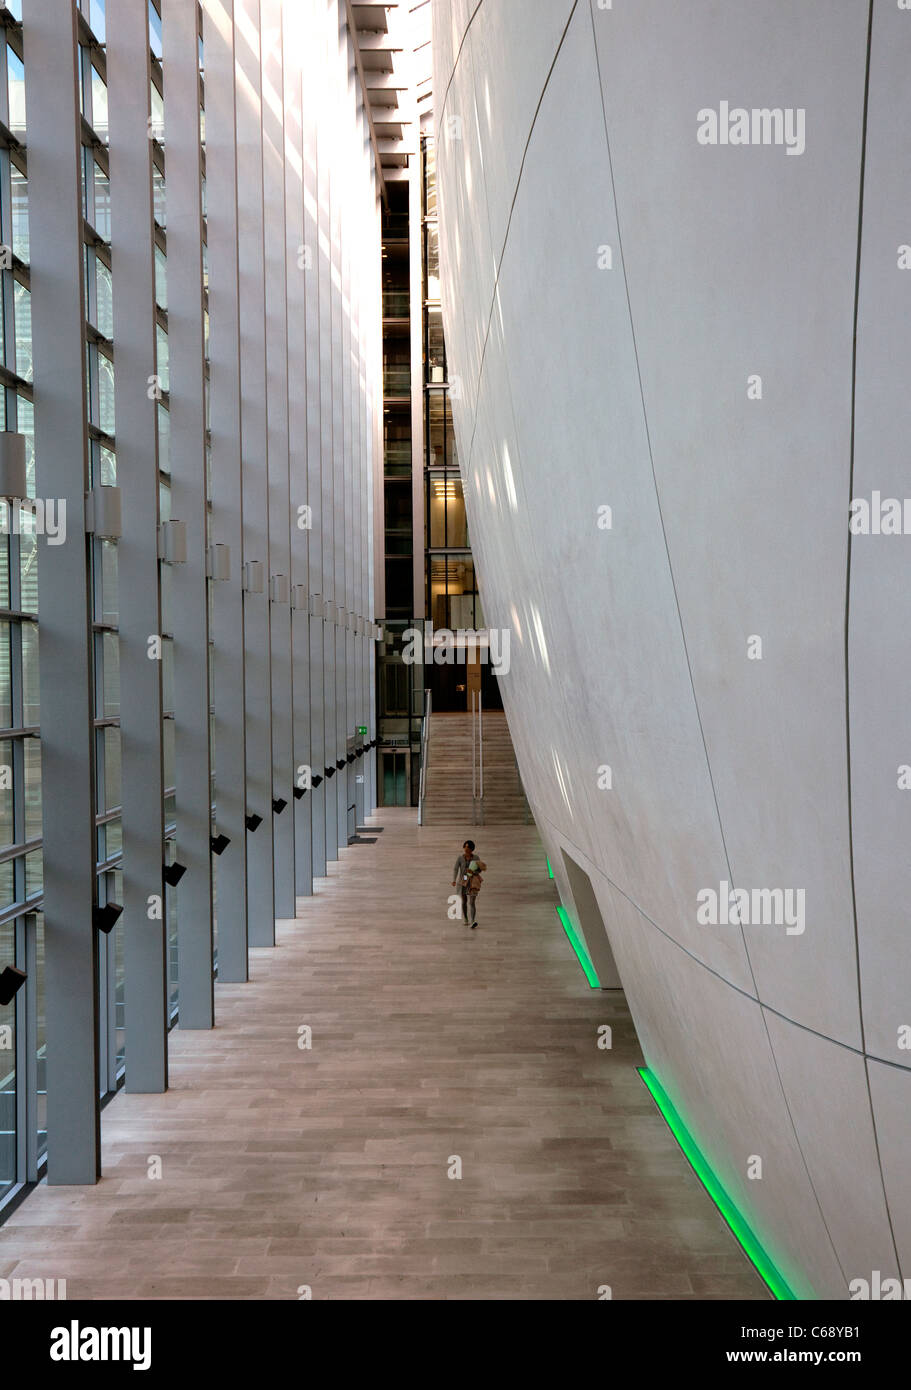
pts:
[286, 1168]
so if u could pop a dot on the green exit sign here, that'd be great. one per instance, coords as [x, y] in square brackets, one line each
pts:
[362, 728]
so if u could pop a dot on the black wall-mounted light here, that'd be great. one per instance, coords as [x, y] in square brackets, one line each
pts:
[11, 979]
[278, 804]
[173, 873]
[219, 843]
[253, 821]
[104, 917]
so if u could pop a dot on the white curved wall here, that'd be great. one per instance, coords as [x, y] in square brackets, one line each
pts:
[564, 128]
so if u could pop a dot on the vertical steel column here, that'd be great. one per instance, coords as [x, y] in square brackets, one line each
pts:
[254, 436]
[327, 131]
[226, 522]
[338, 186]
[279, 502]
[377, 608]
[297, 263]
[190, 618]
[314, 77]
[67, 753]
[133, 272]
[349, 269]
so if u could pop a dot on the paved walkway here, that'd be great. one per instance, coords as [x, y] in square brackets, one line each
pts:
[283, 1167]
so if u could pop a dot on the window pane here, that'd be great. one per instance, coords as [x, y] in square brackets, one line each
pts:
[157, 108]
[32, 756]
[34, 873]
[30, 707]
[19, 212]
[96, 19]
[4, 567]
[7, 881]
[23, 303]
[104, 313]
[6, 703]
[105, 394]
[99, 106]
[154, 30]
[110, 660]
[111, 769]
[102, 220]
[162, 342]
[109, 608]
[26, 418]
[7, 833]
[16, 86]
[28, 561]
[161, 278]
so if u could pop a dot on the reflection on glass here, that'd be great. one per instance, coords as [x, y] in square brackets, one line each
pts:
[161, 339]
[105, 394]
[454, 600]
[104, 313]
[99, 106]
[448, 525]
[23, 319]
[15, 77]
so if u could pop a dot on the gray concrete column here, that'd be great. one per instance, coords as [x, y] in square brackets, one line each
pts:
[254, 437]
[315, 258]
[67, 754]
[327, 136]
[136, 368]
[226, 521]
[274, 161]
[190, 615]
[298, 279]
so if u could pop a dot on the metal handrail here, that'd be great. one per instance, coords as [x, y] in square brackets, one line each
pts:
[425, 739]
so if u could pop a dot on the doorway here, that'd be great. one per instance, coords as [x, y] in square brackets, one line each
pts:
[591, 923]
[395, 777]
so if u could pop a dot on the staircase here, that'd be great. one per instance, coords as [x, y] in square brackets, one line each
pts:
[448, 774]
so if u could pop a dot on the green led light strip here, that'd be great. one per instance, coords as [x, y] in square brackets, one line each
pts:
[550, 872]
[579, 949]
[738, 1226]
